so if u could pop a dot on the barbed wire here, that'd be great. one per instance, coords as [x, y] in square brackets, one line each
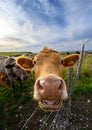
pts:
[44, 122]
[30, 117]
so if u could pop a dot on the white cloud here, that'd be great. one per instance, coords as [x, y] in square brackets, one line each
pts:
[8, 19]
[22, 29]
[78, 18]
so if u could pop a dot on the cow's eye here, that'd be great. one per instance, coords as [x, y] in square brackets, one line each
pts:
[62, 61]
[9, 66]
[34, 62]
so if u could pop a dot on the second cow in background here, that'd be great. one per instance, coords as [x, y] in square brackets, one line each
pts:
[9, 67]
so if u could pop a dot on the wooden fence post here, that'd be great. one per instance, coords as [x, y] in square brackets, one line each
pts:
[70, 82]
[80, 63]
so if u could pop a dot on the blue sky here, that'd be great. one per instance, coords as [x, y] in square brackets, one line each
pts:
[29, 25]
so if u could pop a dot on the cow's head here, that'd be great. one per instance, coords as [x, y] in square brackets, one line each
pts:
[50, 88]
[14, 70]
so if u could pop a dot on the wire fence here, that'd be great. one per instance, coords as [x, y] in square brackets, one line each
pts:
[29, 118]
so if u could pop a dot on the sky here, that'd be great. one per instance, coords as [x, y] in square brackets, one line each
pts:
[30, 25]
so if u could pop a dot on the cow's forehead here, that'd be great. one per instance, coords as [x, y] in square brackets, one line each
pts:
[48, 53]
[47, 50]
[10, 60]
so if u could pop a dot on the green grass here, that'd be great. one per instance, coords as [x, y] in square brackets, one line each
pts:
[83, 85]
[85, 82]
[10, 106]
[10, 53]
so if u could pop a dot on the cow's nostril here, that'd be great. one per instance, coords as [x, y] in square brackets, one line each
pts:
[60, 86]
[40, 87]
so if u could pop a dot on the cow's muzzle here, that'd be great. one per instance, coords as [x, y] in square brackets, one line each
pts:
[50, 91]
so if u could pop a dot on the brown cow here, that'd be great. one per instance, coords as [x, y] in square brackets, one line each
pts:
[50, 88]
[4, 80]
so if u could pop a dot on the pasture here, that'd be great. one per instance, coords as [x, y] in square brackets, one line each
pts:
[14, 111]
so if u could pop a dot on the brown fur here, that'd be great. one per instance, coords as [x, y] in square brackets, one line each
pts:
[3, 76]
[48, 65]
[48, 61]
[4, 80]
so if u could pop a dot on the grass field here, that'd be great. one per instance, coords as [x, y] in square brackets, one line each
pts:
[85, 82]
[10, 53]
[14, 111]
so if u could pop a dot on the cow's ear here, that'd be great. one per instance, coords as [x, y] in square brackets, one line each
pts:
[25, 63]
[70, 60]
